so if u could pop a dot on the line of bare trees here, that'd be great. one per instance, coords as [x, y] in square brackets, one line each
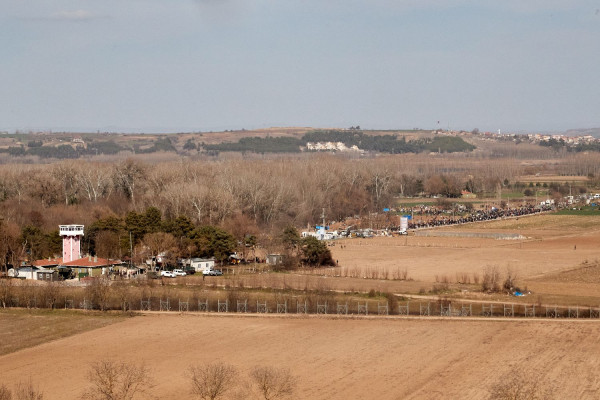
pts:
[264, 194]
[270, 192]
[111, 380]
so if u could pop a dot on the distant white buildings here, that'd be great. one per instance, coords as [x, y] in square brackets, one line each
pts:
[330, 146]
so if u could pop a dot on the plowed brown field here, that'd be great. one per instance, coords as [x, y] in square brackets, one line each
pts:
[332, 358]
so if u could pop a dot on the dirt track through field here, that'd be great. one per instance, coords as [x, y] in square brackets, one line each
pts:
[333, 358]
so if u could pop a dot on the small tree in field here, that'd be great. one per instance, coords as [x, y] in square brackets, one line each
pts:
[520, 385]
[210, 382]
[5, 394]
[118, 381]
[315, 252]
[273, 383]
[491, 279]
[23, 391]
[6, 291]
[98, 291]
[26, 391]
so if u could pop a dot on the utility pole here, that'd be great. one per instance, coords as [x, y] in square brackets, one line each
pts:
[130, 250]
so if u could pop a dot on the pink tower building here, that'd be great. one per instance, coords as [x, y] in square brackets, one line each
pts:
[71, 235]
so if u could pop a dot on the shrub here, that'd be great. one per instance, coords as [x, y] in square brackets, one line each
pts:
[392, 302]
[211, 381]
[273, 383]
[509, 282]
[118, 381]
[5, 394]
[491, 279]
[98, 292]
[26, 391]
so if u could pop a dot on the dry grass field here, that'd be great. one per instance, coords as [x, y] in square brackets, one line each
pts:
[554, 243]
[22, 329]
[555, 250]
[332, 358]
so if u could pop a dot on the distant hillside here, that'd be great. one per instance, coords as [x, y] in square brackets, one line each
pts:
[595, 132]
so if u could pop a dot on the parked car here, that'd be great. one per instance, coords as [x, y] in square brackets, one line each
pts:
[179, 272]
[168, 274]
[216, 272]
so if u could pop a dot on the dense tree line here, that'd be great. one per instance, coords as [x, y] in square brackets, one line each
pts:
[260, 145]
[98, 147]
[377, 143]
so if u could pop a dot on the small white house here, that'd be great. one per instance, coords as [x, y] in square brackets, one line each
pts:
[199, 264]
[34, 273]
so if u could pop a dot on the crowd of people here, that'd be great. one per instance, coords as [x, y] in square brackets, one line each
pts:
[432, 217]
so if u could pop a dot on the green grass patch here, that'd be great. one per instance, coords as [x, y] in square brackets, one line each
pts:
[584, 211]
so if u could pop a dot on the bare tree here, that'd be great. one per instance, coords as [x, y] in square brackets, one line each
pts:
[127, 177]
[118, 381]
[65, 173]
[26, 391]
[491, 279]
[273, 383]
[5, 393]
[159, 242]
[51, 293]
[212, 381]
[99, 292]
[94, 181]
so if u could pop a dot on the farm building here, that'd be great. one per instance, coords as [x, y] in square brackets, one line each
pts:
[34, 273]
[199, 264]
[91, 266]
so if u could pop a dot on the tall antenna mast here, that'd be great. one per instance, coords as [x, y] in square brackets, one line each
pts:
[323, 217]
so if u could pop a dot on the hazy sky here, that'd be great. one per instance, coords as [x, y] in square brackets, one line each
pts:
[149, 65]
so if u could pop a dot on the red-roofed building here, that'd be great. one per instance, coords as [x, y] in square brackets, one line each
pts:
[91, 266]
[48, 263]
[465, 194]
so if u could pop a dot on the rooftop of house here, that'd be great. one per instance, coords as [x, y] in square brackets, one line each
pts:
[49, 262]
[91, 262]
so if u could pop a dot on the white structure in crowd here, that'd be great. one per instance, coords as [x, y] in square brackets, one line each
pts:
[403, 224]
[71, 235]
[322, 233]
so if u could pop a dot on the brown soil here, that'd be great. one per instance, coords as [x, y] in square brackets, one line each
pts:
[22, 328]
[555, 243]
[333, 358]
